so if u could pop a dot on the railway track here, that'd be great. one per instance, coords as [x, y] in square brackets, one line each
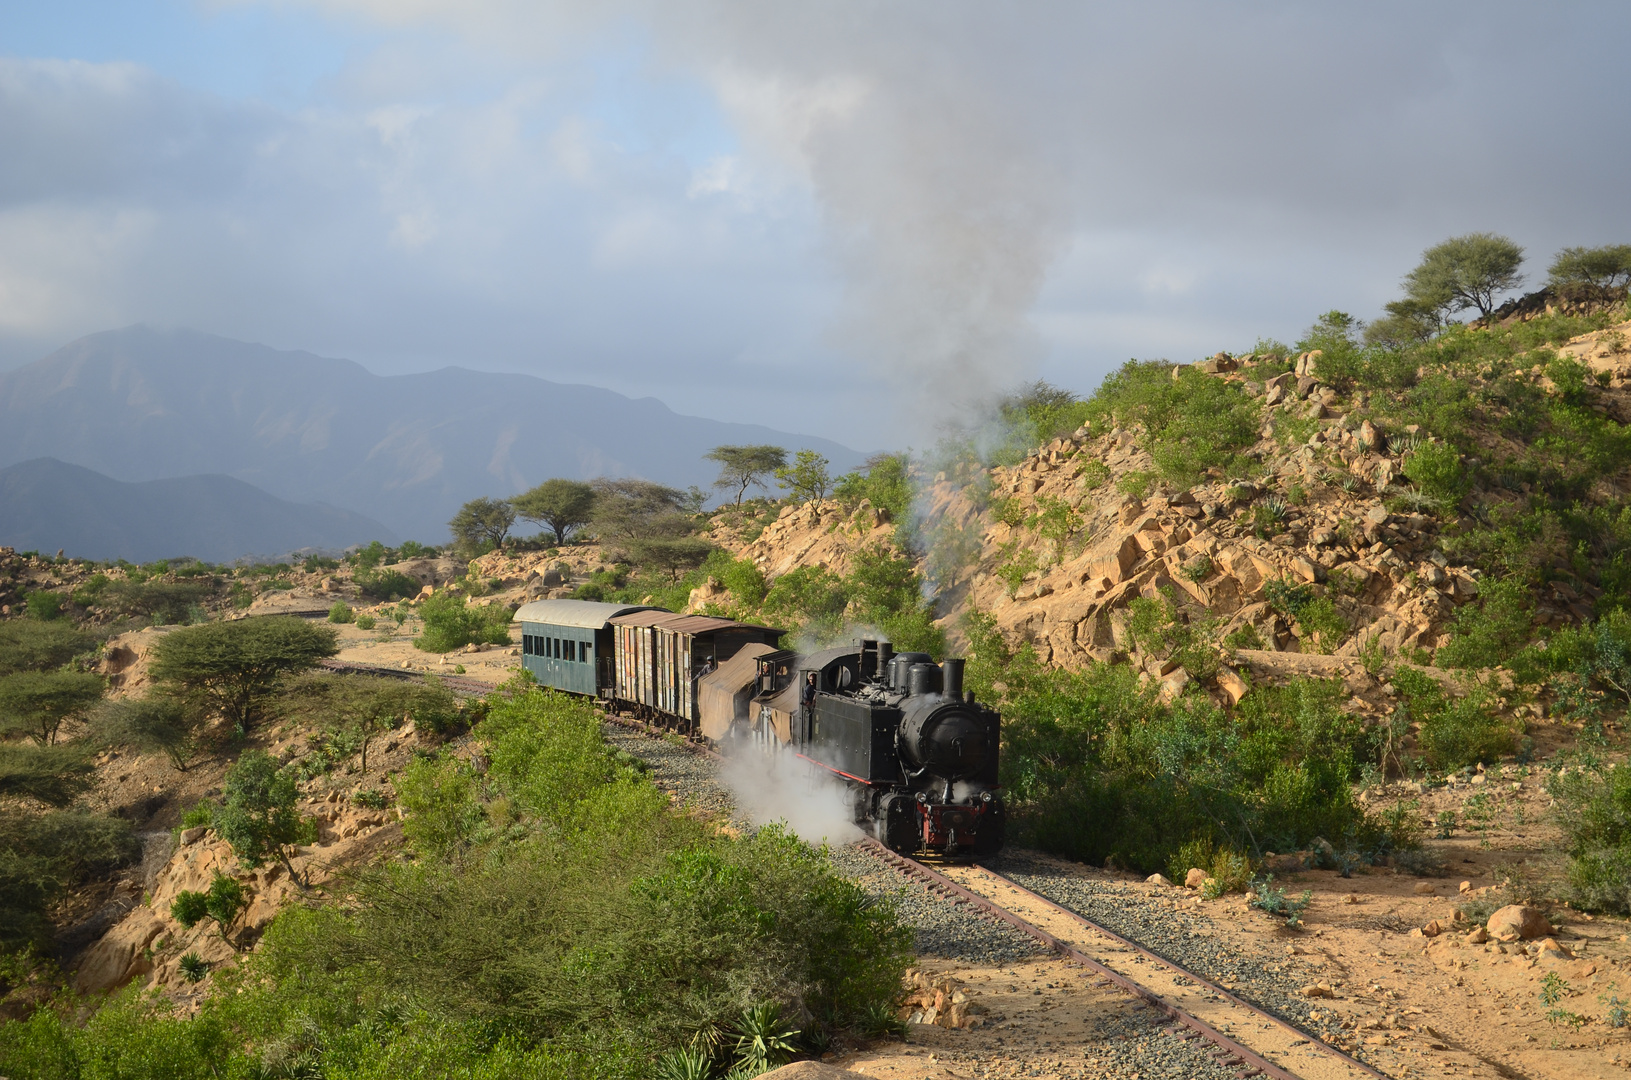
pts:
[466, 687]
[1195, 1008]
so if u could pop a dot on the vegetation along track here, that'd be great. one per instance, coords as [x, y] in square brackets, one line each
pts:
[1195, 1007]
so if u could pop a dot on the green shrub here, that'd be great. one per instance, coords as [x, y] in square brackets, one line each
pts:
[1437, 470]
[1492, 632]
[342, 612]
[1099, 769]
[1321, 627]
[654, 934]
[1192, 424]
[366, 622]
[1594, 807]
[194, 967]
[452, 623]
[165, 603]
[1455, 732]
[886, 483]
[44, 605]
[387, 584]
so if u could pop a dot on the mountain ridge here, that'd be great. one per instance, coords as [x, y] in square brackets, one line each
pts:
[47, 504]
[142, 404]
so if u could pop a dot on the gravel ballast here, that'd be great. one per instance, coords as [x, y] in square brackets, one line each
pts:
[1188, 939]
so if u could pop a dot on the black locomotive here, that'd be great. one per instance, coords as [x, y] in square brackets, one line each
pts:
[920, 753]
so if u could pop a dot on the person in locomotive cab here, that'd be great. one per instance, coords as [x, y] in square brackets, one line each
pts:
[807, 695]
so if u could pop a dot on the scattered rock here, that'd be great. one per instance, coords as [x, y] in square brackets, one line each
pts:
[1477, 936]
[1517, 922]
[1230, 682]
[1318, 990]
[1195, 878]
[1549, 949]
[1158, 879]
[1426, 888]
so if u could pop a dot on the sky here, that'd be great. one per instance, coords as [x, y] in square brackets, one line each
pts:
[855, 219]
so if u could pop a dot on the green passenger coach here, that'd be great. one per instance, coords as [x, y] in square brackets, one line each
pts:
[567, 644]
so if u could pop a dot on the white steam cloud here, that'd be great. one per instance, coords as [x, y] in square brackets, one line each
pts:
[779, 786]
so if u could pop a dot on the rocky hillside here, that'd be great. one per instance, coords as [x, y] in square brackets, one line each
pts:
[1319, 556]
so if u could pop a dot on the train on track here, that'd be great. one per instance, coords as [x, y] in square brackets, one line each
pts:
[917, 752]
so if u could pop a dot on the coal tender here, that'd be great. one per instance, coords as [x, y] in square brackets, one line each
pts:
[920, 752]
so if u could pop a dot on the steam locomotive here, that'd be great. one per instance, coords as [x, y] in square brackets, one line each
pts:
[918, 754]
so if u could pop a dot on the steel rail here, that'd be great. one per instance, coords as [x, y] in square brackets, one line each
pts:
[452, 682]
[1229, 1052]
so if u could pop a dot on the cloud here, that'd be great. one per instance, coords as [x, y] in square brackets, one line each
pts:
[964, 155]
[838, 215]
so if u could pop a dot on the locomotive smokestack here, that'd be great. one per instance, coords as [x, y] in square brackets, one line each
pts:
[952, 679]
[886, 653]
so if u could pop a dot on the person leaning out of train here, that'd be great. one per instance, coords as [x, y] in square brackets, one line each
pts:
[807, 695]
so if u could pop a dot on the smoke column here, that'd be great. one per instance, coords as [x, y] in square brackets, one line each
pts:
[945, 191]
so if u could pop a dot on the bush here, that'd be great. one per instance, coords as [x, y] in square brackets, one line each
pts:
[1594, 808]
[342, 613]
[1455, 732]
[1099, 769]
[366, 622]
[163, 602]
[452, 623]
[1437, 470]
[258, 817]
[387, 584]
[583, 931]
[887, 484]
[1193, 425]
[1492, 632]
[43, 605]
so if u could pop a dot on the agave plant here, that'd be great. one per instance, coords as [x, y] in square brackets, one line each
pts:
[763, 1040]
[687, 1063]
[1407, 442]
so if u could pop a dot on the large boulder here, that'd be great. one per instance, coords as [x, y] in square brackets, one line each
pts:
[1518, 922]
[121, 955]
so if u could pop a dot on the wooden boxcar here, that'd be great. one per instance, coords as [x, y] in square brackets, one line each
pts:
[659, 656]
[567, 644]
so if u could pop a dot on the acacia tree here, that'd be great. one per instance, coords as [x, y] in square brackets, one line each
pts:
[1599, 267]
[807, 478]
[1465, 272]
[561, 504]
[37, 703]
[742, 467]
[232, 668]
[160, 722]
[482, 521]
[630, 510]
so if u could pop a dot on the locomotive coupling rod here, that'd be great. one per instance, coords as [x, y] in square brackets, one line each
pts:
[1248, 1058]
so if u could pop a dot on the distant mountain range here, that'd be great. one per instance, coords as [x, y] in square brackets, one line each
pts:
[47, 505]
[141, 404]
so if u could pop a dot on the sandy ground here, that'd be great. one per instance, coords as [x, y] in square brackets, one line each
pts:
[390, 645]
[1415, 1006]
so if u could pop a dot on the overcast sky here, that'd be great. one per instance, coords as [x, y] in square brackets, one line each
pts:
[846, 218]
